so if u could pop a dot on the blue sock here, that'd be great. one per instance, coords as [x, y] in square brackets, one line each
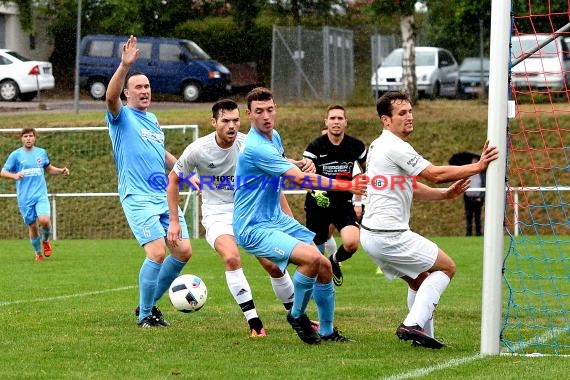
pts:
[170, 269]
[45, 234]
[36, 244]
[148, 277]
[303, 288]
[323, 294]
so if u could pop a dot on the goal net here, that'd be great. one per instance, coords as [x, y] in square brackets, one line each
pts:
[84, 205]
[536, 268]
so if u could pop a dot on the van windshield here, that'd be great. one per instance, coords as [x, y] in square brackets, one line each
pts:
[193, 50]
[531, 45]
[423, 58]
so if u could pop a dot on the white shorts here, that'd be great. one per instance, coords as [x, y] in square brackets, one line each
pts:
[399, 254]
[219, 221]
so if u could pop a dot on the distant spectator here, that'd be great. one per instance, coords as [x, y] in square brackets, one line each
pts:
[474, 201]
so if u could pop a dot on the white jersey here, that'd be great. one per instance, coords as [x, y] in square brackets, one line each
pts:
[215, 167]
[392, 166]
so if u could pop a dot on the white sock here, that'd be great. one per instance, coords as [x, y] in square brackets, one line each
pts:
[411, 298]
[428, 328]
[283, 288]
[241, 291]
[330, 246]
[426, 299]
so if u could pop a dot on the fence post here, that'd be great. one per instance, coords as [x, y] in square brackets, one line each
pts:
[54, 217]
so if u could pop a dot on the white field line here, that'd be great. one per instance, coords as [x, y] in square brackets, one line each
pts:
[420, 372]
[64, 297]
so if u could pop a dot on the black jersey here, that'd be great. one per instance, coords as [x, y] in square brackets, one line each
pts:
[334, 160]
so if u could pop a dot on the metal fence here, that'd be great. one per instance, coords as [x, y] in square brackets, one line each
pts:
[309, 64]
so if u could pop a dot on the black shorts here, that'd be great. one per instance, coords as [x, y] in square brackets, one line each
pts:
[320, 218]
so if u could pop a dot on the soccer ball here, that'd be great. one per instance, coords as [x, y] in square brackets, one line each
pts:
[188, 293]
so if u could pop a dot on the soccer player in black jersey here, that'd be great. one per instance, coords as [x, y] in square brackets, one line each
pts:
[334, 155]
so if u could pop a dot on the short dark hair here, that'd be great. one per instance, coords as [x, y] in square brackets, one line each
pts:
[223, 104]
[384, 103]
[27, 130]
[335, 107]
[130, 75]
[258, 94]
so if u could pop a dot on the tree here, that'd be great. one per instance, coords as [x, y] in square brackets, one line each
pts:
[405, 8]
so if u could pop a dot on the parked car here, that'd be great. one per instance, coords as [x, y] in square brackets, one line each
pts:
[20, 77]
[546, 68]
[173, 66]
[437, 73]
[471, 71]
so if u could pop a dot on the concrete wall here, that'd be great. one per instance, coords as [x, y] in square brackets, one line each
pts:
[13, 37]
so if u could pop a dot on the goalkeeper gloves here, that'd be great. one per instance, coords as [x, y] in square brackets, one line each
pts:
[321, 198]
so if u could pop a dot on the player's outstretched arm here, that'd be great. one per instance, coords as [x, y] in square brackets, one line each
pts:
[448, 173]
[52, 170]
[424, 192]
[312, 181]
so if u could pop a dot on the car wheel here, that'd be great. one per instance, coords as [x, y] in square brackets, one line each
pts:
[97, 89]
[435, 92]
[9, 90]
[28, 96]
[191, 92]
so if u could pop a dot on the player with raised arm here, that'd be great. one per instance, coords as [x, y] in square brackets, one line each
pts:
[392, 170]
[26, 165]
[141, 160]
[209, 164]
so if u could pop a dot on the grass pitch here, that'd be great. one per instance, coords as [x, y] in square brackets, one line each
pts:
[72, 317]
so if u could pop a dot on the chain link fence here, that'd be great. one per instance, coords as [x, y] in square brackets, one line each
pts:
[311, 64]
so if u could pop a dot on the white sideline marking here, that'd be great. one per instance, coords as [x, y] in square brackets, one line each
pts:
[9, 303]
[427, 370]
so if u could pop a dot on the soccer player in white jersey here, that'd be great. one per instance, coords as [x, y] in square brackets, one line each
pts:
[393, 167]
[209, 164]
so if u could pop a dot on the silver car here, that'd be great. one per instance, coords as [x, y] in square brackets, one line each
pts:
[437, 73]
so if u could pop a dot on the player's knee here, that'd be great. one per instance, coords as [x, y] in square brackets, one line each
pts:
[183, 252]
[450, 270]
[232, 262]
[351, 246]
[325, 271]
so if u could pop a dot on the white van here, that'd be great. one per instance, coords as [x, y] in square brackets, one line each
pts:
[437, 73]
[545, 69]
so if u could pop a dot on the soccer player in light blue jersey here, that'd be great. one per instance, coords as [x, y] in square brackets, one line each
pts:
[264, 230]
[141, 160]
[26, 165]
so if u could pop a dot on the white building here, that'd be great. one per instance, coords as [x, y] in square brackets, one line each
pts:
[35, 46]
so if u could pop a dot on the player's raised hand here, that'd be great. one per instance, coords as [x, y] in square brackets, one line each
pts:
[457, 188]
[130, 52]
[490, 153]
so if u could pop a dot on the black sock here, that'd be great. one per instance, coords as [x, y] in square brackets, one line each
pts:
[341, 255]
[255, 324]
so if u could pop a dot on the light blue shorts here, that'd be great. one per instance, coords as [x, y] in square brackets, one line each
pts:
[148, 217]
[275, 241]
[31, 211]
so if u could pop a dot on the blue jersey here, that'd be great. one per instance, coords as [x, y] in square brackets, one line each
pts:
[138, 148]
[258, 171]
[32, 162]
